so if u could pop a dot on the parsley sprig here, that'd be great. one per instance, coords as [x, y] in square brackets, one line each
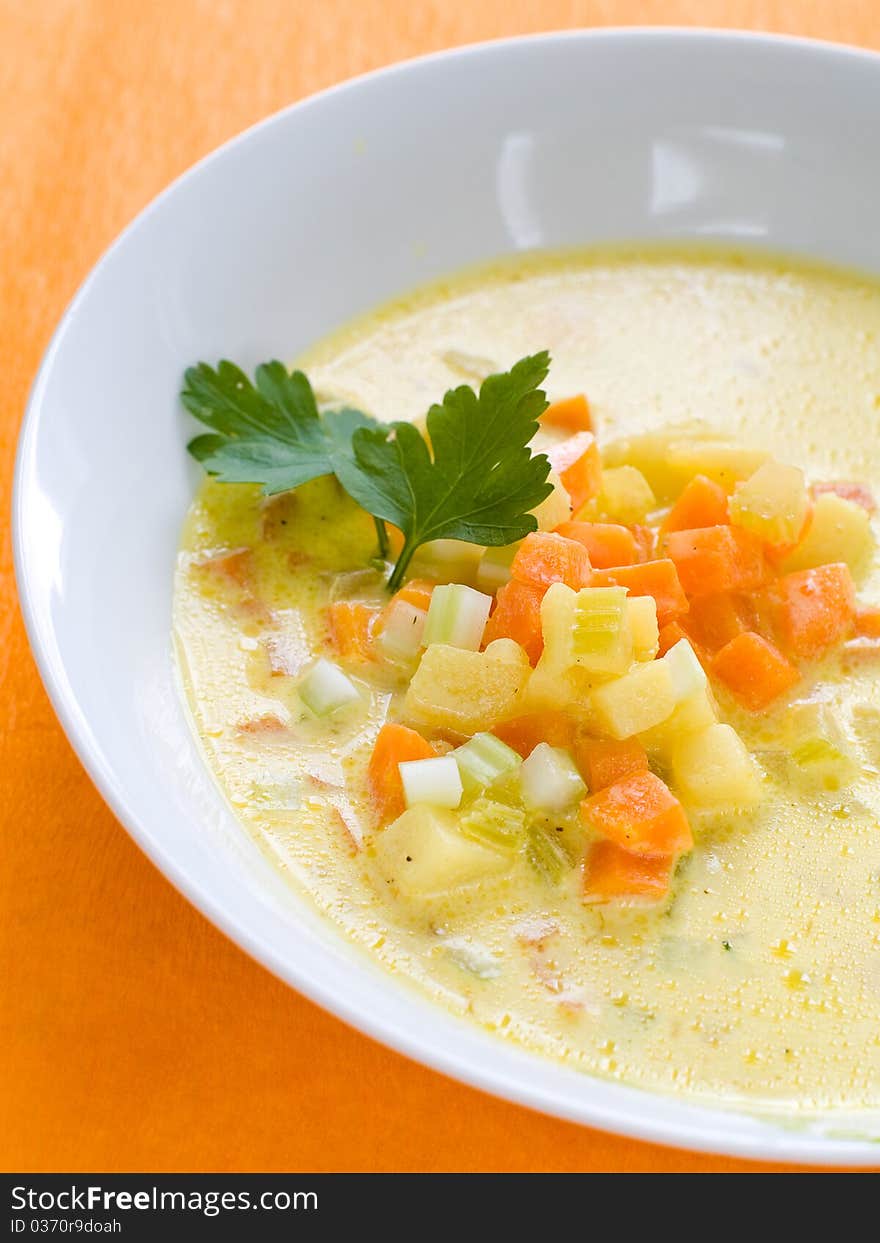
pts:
[473, 478]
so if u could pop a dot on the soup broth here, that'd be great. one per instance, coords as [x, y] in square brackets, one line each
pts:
[759, 978]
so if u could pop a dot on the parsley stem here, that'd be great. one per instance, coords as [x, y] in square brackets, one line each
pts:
[382, 536]
[402, 565]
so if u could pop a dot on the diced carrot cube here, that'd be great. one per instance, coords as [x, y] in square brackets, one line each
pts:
[611, 874]
[703, 503]
[674, 633]
[602, 761]
[715, 559]
[813, 609]
[652, 578]
[235, 566]
[523, 733]
[517, 616]
[235, 571]
[572, 414]
[416, 592]
[669, 635]
[394, 744]
[754, 671]
[351, 629]
[867, 623]
[646, 542]
[608, 543]
[858, 493]
[713, 621]
[641, 814]
[577, 463]
[543, 559]
[266, 725]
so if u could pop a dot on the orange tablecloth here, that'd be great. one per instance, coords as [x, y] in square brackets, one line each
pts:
[133, 1035]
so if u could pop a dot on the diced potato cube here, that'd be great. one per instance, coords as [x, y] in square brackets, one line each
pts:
[723, 463]
[447, 561]
[772, 503]
[626, 497]
[688, 675]
[554, 508]
[507, 651]
[649, 452]
[839, 531]
[422, 854]
[820, 754]
[639, 700]
[713, 770]
[693, 713]
[467, 691]
[642, 617]
[554, 687]
[557, 611]
[697, 710]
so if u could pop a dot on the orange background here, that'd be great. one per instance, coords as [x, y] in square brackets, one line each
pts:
[133, 1035]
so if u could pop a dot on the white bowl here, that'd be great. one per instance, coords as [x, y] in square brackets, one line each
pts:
[313, 216]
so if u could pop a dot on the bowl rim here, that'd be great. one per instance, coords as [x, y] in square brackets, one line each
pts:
[709, 1136]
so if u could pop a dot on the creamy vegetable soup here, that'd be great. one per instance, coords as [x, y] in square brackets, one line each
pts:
[559, 697]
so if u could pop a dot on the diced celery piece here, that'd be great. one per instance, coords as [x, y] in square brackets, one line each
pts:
[471, 956]
[555, 508]
[447, 561]
[436, 782]
[493, 572]
[550, 780]
[424, 855]
[626, 497]
[546, 856]
[688, 675]
[839, 530]
[483, 759]
[817, 746]
[816, 751]
[402, 633]
[457, 616]
[494, 824]
[507, 788]
[641, 612]
[588, 628]
[635, 702]
[600, 637]
[471, 366]
[325, 688]
[467, 691]
[713, 770]
[866, 724]
[772, 503]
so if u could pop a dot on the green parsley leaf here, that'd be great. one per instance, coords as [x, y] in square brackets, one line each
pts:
[269, 433]
[478, 480]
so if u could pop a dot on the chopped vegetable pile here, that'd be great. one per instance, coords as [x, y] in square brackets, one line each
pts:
[574, 620]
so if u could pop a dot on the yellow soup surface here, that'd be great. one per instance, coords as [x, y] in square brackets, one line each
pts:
[759, 981]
